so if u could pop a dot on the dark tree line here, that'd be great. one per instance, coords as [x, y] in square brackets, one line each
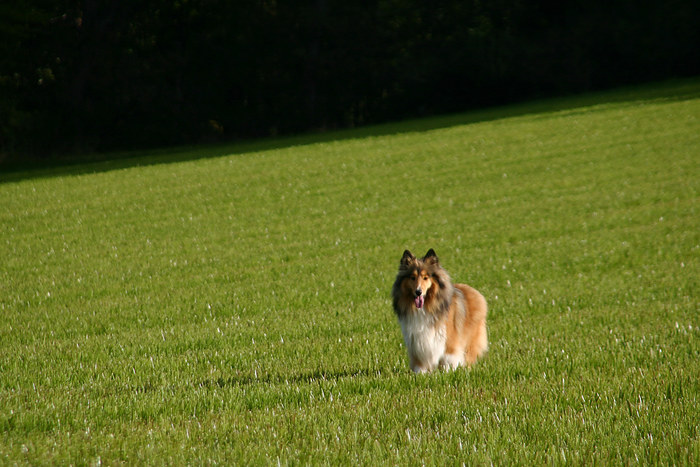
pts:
[90, 75]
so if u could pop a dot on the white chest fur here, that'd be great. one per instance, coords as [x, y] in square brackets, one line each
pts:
[424, 339]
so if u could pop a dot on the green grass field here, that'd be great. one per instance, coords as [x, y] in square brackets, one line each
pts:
[231, 305]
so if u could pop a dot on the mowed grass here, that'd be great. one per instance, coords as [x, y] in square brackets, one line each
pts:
[236, 309]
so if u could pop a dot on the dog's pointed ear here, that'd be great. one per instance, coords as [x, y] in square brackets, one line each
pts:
[431, 258]
[407, 259]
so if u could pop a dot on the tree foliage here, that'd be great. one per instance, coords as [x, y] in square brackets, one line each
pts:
[90, 75]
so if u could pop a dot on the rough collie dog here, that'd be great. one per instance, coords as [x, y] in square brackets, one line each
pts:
[443, 324]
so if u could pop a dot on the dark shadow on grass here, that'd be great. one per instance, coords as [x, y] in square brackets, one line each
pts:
[304, 377]
[676, 90]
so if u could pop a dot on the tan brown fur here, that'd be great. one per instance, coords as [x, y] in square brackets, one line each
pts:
[449, 328]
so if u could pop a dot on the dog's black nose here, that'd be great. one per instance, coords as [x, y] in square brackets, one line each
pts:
[418, 292]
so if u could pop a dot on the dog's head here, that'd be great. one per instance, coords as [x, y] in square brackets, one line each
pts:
[419, 275]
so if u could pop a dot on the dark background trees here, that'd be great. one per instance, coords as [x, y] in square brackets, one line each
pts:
[87, 75]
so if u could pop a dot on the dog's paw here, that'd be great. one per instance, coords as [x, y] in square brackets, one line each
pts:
[451, 362]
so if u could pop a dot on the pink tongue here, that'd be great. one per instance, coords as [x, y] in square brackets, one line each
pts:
[419, 301]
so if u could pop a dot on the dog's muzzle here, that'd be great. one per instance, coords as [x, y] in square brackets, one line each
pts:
[420, 300]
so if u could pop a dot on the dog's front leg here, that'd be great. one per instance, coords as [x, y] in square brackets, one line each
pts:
[451, 361]
[418, 367]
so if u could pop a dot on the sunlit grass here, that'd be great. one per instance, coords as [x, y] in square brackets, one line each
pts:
[236, 308]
